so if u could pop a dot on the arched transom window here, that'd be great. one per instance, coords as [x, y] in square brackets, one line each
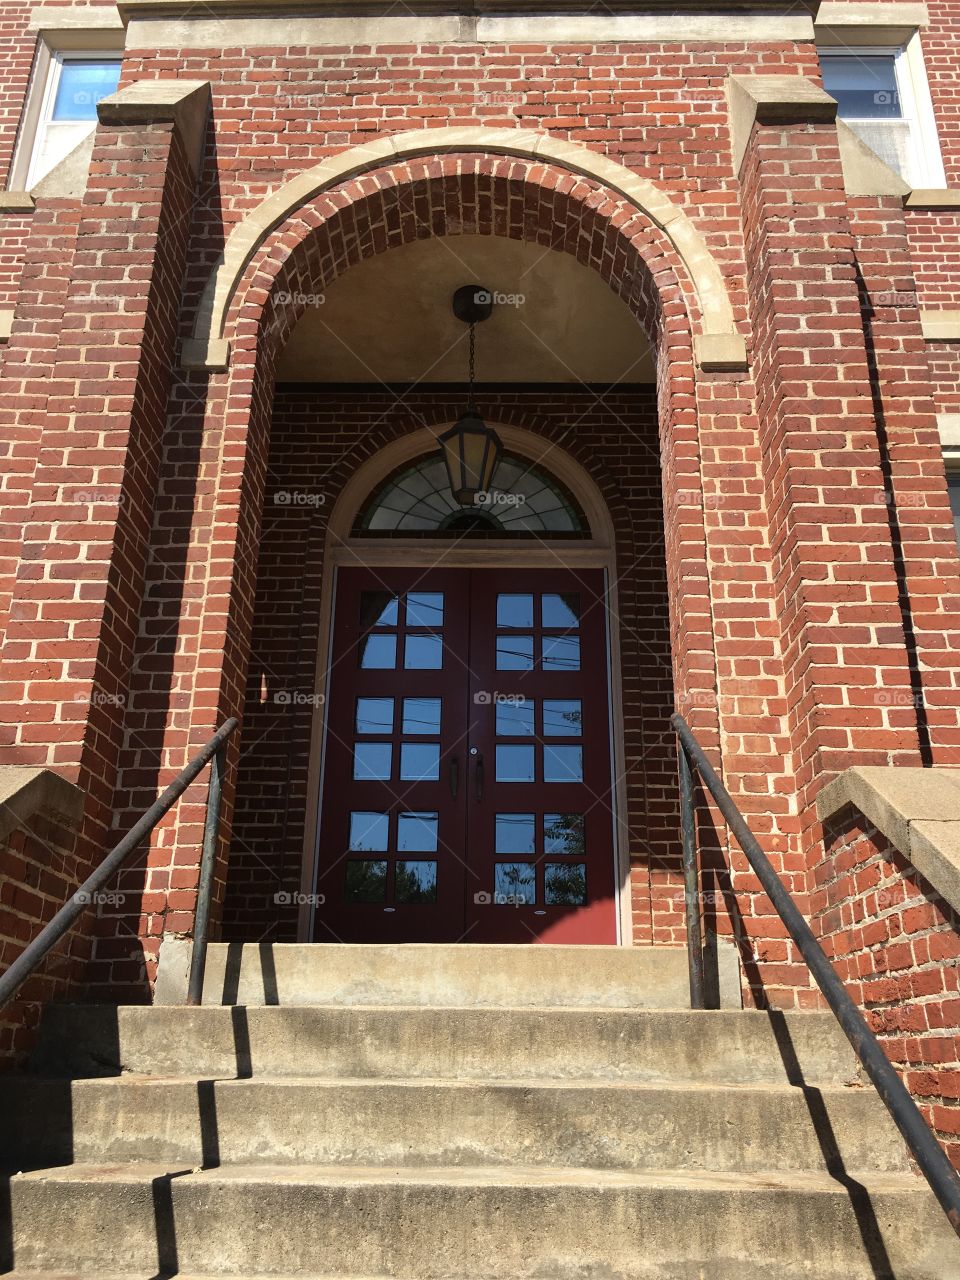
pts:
[525, 502]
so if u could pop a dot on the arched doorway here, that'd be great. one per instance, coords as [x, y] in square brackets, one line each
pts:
[302, 417]
[466, 766]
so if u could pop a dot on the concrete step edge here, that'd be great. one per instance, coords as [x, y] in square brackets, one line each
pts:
[474, 1176]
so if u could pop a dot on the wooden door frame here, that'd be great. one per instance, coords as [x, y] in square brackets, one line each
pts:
[342, 549]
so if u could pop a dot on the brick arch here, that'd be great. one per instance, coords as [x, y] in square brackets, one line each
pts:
[460, 195]
[717, 334]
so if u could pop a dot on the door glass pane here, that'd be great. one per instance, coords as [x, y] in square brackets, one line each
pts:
[562, 718]
[369, 832]
[366, 881]
[514, 611]
[425, 609]
[565, 884]
[515, 719]
[516, 883]
[514, 653]
[515, 833]
[378, 653]
[420, 761]
[423, 653]
[374, 715]
[372, 760]
[560, 610]
[378, 609]
[515, 764]
[563, 833]
[417, 832]
[416, 882]
[561, 653]
[421, 715]
[562, 764]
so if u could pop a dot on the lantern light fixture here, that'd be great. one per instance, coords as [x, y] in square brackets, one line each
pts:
[471, 450]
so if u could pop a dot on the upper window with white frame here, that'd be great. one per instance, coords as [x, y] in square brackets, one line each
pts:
[68, 111]
[61, 108]
[883, 96]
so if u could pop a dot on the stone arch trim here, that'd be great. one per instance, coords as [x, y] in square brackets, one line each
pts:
[718, 345]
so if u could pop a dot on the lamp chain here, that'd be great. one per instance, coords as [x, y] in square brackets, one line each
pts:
[473, 365]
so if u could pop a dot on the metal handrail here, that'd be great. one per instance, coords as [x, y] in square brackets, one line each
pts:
[48, 937]
[926, 1150]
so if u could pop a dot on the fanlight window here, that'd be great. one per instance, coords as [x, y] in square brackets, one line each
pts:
[525, 502]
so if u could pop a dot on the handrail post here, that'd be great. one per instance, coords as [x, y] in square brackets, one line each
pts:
[691, 881]
[208, 862]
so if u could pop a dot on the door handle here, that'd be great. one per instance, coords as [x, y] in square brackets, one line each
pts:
[454, 776]
[478, 779]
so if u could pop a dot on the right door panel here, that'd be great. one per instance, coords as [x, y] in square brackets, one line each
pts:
[540, 853]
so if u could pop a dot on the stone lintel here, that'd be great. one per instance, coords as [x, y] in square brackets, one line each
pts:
[933, 198]
[841, 25]
[16, 202]
[940, 326]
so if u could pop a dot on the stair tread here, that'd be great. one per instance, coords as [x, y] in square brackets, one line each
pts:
[478, 1176]
[678, 1084]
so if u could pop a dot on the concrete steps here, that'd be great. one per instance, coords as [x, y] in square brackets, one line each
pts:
[416, 1140]
[469, 1222]
[721, 1047]
[432, 974]
[593, 1124]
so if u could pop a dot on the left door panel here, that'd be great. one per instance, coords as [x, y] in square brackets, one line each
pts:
[392, 839]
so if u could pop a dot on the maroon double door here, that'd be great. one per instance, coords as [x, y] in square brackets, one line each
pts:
[466, 790]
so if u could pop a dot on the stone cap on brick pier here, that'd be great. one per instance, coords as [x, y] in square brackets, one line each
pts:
[26, 790]
[918, 810]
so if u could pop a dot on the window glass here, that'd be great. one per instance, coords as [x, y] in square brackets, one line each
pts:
[514, 610]
[423, 653]
[421, 715]
[562, 718]
[378, 653]
[561, 653]
[565, 884]
[514, 653]
[515, 719]
[865, 87]
[515, 833]
[417, 832]
[416, 882]
[562, 764]
[374, 715]
[425, 609]
[369, 832]
[420, 761]
[366, 881]
[81, 86]
[372, 761]
[515, 884]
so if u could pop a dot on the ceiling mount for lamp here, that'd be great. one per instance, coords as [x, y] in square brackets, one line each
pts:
[471, 450]
[472, 303]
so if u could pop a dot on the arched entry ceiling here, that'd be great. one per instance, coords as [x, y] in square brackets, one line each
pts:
[717, 346]
[388, 319]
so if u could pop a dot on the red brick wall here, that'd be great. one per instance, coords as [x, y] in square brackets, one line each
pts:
[896, 945]
[41, 869]
[317, 439]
